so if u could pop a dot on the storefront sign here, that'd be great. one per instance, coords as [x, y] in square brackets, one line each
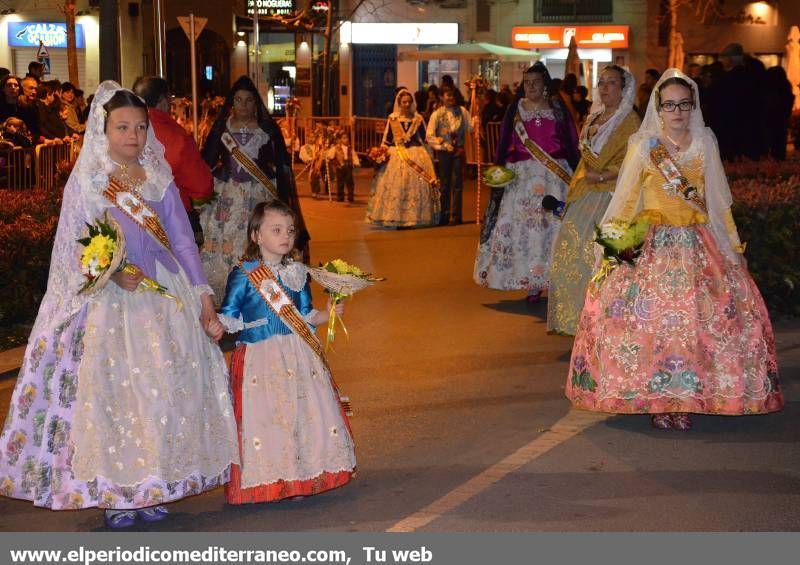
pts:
[556, 37]
[32, 34]
[271, 7]
[399, 33]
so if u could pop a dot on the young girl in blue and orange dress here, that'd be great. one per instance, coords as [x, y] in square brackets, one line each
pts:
[294, 435]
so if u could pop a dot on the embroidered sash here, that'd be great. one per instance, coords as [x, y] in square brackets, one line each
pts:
[268, 286]
[538, 153]
[585, 145]
[402, 152]
[131, 203]
[677, 183]
[248, 164]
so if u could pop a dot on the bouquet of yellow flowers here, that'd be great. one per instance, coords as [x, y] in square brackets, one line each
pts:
[340, 279]
[104, 254]
[621, 242]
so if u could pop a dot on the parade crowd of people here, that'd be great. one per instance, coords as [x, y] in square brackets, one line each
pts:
[125, 402]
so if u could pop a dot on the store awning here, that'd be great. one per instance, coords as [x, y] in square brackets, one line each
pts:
[469, 51]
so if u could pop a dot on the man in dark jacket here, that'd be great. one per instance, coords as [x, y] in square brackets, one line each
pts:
[192, 175]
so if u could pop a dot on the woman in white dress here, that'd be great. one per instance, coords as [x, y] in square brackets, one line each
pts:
[405, 192]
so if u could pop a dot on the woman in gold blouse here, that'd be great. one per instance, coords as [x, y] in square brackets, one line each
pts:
[684, 330]
[603, 142]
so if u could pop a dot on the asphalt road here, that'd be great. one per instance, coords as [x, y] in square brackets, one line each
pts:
[461, 423]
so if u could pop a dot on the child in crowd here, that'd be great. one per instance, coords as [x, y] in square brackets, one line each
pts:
[320, 183]
[294, 436]
[343, 159]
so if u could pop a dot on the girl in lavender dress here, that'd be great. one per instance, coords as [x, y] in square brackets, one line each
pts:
[539, 144]
[122, 401]
[250, 164]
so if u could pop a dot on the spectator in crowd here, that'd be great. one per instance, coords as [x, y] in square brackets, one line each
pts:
[9, 96]
[740, 134]
[85, 113]
[70, 108]
[504, 98]
[35, 71]
[582, 103]
[491, 111]
[695, 71]
[420, 98]
[4, 72]
[15, 132]
[554, 92]
[51, 126]
[192, 175]
[778, 111]
[447, 80]
[27, 108]
[80, 105]
[651, 77]
[567, 91]
[431, 103]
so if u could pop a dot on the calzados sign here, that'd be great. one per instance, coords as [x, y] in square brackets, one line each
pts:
[31, 34]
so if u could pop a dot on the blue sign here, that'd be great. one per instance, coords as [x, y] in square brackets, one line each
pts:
[30, 34]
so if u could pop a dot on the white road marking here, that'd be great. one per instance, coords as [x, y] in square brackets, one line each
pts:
[567, 427]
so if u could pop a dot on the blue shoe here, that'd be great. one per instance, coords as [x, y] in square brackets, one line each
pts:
[153, 513]
[118, 519]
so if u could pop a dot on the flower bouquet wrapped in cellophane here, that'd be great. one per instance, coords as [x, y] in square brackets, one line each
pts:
[621, 242]
[104, 254]
[340, 279]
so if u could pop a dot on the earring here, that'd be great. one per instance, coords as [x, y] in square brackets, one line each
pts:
[661, 121]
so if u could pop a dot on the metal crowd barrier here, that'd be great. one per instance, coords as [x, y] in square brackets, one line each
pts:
[368, 132]
[17, 168]
[35, 167]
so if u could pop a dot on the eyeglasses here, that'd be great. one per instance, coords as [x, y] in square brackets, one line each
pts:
[684, 106]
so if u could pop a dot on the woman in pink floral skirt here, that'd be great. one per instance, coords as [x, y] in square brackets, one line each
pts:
[685, 330]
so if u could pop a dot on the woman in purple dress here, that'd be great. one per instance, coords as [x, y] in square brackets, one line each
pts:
[539, 143]
[122, 401]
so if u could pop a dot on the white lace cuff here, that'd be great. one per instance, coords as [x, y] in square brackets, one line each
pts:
[232, 325]
[310, 317]
[201, 289]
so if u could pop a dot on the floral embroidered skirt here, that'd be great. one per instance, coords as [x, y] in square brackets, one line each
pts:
[400, 197]
[685, 330]
[295, 438]
[517, 253]
[126, 407]
[573, 262]
[224, 224]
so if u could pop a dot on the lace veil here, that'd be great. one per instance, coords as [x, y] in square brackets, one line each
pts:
[396, 112]
[625, 108]
[83, 203]
[717, 192]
